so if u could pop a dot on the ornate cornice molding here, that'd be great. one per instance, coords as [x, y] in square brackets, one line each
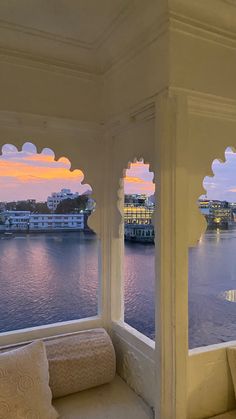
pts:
[44, 122]
[26, 59]
[207, 105]
[114, 22]
[139, 114]
[213, 16]
[213, 109]
[80, 58]
[75, 58]
[25, 30]
[202, 30]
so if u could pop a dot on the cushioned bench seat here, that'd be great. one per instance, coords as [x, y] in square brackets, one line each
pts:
[227, 415]
[110, 401]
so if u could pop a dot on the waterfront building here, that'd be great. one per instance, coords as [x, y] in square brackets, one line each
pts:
[217, 213]
[138, 223]
[56, 222]
[136, 199]
[232, 205]
[57, 197]
[203, 203]
[138, 214]
[26, 221]
[15, 220]
[141, 233]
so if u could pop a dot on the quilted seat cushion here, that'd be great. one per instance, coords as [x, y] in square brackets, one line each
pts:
[80, 361]
[110, 401]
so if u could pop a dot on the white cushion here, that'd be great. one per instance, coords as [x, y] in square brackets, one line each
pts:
[109, 401]
[24, 388]
[81, 361]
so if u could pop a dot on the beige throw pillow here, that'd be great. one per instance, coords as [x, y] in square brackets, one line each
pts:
[24, 388]
[83, 360]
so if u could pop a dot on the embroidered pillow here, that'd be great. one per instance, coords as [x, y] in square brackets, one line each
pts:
[24, 388]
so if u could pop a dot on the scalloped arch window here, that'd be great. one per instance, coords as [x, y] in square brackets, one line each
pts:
[212, 268]
[139, 249]
[49, 256]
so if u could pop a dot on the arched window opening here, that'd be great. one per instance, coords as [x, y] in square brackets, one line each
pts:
[212, 268]
[49, 255]
[139, 249]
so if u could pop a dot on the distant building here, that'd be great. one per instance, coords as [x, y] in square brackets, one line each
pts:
[26, 221]
[136, 199]
[56, 222]
[217, 213]
[17, 220]
[57, 197]
[138, 222]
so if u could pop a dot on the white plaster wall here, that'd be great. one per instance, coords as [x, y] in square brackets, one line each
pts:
[135, 362]
[138, 78]
[48, 92]
[210, 387]
[200, 63]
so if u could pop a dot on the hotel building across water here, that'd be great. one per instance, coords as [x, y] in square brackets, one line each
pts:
[24, 220]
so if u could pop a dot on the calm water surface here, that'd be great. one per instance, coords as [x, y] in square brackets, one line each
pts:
[212, 281]
[47, 278]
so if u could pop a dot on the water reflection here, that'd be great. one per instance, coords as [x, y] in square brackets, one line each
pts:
[46, 278]
[139, 274]
[212, 288]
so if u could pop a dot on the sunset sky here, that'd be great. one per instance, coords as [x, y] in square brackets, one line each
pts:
[222, 185]
[28, 175]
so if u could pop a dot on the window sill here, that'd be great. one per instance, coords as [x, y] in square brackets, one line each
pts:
[40, 332]
[209, 348]
[135, 338]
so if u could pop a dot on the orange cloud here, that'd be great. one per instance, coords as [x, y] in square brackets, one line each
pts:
[27, 174]
[24, 171]
[39, 157]
[132, 179]
[139, 164]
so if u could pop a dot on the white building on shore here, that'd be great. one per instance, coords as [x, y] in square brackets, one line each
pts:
[56, 222]
[57, 197]
[24, 220]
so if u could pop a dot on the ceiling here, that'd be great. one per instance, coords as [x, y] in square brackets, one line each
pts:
[82, 37]
[83, 21]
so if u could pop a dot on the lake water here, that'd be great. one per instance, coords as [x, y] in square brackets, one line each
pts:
[212, 281]
[47, 278]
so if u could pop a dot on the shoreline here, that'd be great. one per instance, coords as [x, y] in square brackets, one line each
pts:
[38, 231]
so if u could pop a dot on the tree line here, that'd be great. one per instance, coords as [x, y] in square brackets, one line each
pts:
[66, 206]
